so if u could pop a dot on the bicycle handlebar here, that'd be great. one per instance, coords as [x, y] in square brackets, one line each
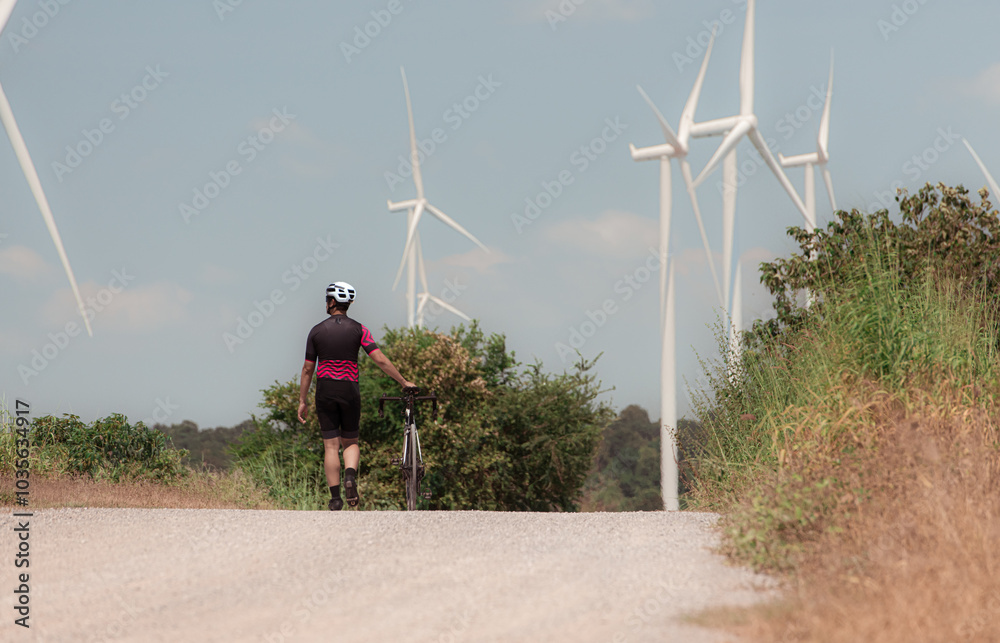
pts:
[408, 394]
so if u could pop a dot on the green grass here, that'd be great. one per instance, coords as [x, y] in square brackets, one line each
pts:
[291, 483]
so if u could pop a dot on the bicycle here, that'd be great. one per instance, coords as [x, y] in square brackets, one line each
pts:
[412, 463]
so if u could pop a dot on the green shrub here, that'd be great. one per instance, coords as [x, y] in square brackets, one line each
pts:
[108, 448]
[941, 233]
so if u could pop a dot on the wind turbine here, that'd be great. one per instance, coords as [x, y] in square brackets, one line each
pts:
[676, 147]
[31, 174]
[817, 158]
[994, 188]
[415, 209]
[426, 297]
[734, 128]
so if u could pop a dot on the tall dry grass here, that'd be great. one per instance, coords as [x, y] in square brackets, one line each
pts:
[918, 559]
[198, 490]
[860, 456]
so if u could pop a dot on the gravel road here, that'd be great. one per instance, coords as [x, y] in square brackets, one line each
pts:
[277, 576]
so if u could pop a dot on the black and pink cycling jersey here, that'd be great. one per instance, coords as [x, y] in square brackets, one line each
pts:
[334, 342]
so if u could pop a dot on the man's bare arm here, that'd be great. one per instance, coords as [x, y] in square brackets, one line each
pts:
[305, 381]
[383, 362]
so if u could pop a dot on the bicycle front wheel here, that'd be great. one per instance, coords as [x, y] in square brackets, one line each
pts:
[412, 481]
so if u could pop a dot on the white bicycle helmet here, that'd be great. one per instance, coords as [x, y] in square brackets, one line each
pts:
[341, 292]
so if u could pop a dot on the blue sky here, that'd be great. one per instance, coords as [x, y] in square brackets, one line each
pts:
[208, 85]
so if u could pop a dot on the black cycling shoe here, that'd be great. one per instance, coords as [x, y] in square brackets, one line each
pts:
[336, 504]
[351, 490]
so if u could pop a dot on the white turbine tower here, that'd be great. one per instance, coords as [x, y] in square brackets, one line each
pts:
[415, 209]
[28, 167]
[819, 158]
[994, 188]
[734, 300]
[676, 147]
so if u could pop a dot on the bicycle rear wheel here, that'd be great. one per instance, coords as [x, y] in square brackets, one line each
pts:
[412, 481]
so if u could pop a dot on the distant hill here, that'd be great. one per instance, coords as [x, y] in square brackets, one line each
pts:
[625, 475]
[207, 447]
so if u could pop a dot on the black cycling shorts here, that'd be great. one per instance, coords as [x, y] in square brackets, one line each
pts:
[338, 407]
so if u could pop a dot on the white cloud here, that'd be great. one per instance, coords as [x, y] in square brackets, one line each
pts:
[613, 233]
[986, 84]
[753, 257]
[292, 130]
[23, 263]
[476, 259]
[136, 309]
[313, 157]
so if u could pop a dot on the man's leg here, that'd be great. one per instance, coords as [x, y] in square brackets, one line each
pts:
[331, 460]
[352, 457]
[352, 453]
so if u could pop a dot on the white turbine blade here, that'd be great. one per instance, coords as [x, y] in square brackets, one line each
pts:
[761, 146]
[395, 206]
[422, 302]
[410, 234]
[728, 144]
[729, 180]
[714, 127]
[448, 307]
[799, 159]
[686, 172]
[687, 116]
[994, 189]
[399, 273]
[668, 132]
[653, 152]
[747, 63]
[420, 264]
[414, 153]
[823, 140]
[829, 186]
[24, 158]
[445, 218]
[6, 8]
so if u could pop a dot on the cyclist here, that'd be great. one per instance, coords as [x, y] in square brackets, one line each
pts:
[334, 342]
